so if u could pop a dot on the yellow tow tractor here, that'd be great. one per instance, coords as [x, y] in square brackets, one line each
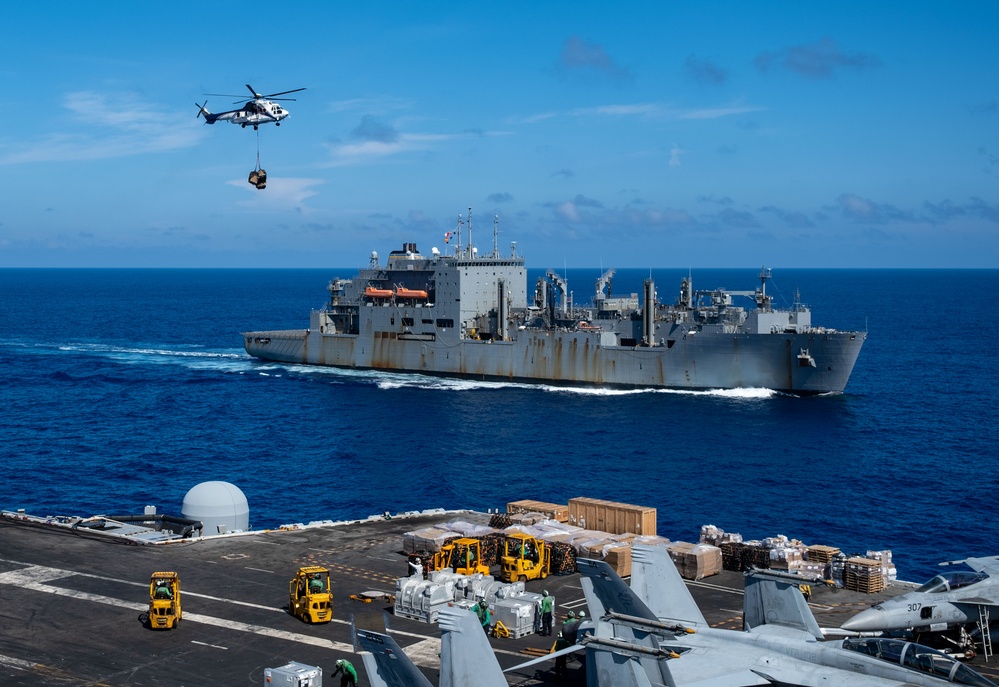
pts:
[164, 600]
[524, 558]
[463, 555]
[309, 595]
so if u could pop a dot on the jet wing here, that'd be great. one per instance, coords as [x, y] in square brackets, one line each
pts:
[988, 564]
[547, 657]
[709, 670]
[738, 678]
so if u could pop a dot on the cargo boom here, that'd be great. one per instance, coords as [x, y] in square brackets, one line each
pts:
[465, 315]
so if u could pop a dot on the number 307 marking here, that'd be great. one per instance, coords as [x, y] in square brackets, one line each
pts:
[914, 607]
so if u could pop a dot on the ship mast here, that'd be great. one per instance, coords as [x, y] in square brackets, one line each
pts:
[495, 236]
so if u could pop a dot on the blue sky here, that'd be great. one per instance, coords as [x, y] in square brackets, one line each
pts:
[659, 134]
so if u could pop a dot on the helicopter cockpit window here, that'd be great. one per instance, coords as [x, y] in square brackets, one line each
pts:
[950, 581]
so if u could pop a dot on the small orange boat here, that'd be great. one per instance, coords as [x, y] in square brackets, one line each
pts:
[372, 292]
[410, 293]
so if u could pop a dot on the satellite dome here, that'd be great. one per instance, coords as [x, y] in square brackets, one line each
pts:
[220, 506]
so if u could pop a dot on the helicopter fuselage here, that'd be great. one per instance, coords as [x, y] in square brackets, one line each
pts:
[253, 113]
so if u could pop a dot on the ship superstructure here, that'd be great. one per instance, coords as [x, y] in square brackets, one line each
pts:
[469, 315]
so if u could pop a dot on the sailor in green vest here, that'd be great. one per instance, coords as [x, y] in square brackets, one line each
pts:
[349, 678]
[547, 609]
[481, 609]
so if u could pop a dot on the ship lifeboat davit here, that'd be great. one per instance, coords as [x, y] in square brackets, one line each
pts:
[372, 292]
[411, 293]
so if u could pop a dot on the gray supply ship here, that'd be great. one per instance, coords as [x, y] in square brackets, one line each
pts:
[469, 315]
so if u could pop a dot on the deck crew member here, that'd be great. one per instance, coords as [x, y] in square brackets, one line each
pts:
[349, 677]
[547, 609]
[481, 609]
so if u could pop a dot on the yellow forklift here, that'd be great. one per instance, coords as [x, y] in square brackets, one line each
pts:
[309, 596]
[164, 600]
[463, 555]
[524, 558]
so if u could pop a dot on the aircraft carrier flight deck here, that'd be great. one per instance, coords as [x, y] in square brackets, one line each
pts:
[71, 603]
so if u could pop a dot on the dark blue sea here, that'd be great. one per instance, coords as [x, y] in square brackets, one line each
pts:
[124, 388]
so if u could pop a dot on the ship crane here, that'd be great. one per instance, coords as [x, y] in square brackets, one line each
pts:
[604, 282]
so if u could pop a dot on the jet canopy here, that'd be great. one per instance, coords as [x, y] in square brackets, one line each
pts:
[918, 657]
[949, 581]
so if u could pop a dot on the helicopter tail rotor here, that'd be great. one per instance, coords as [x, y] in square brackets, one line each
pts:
[209, 119]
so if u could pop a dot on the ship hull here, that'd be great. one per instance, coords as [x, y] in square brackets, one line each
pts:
[796, 363]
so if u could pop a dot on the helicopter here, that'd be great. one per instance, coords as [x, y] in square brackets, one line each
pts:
[262, 109]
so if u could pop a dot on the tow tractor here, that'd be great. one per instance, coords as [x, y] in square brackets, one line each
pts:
[525, 558]
[164, 600]
[309, 595]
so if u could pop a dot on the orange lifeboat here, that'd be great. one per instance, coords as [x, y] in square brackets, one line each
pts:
[411, 293]
[372, 292]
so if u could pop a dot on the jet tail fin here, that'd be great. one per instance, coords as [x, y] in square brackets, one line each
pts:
[385, 662]
[466, 657]
[609, 600]
[657, 582]
[605, 591]
[774, 599]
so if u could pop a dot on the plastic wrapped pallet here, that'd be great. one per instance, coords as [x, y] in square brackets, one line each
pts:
[716, 536]
[427, 539]
[696, 561]
[651, 540]
[593, 548]
[467, 529]
[618, 557]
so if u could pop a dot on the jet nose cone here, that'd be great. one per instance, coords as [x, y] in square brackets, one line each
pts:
[871, 620]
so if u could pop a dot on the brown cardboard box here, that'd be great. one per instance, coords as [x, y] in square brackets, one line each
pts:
[696, 561]
[619, 558]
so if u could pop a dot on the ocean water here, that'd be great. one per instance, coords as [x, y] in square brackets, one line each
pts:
[122, 388]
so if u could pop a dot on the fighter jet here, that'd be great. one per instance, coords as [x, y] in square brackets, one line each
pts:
[653, 634]
[952, 598]
[466, 657]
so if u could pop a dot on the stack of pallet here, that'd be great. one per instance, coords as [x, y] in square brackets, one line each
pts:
[732, 555]
[500, 521]
[491, 548]
[822, 554]
[563, 559]
[863, 575]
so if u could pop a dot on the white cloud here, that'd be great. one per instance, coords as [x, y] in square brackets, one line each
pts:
[107, 125]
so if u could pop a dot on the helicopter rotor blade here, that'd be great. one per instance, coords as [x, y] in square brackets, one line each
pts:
[255, 94]
[271, 95]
